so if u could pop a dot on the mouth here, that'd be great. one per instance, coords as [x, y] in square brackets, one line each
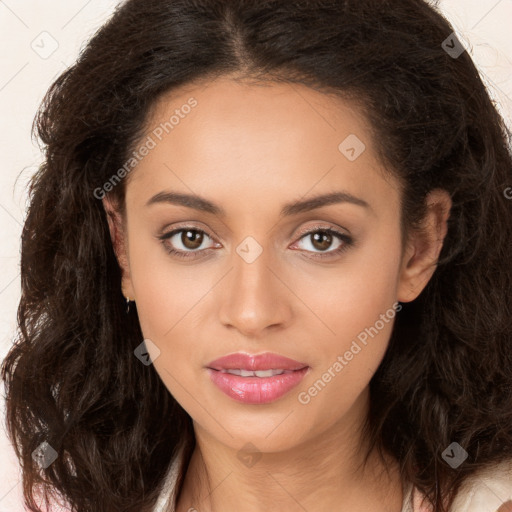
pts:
[257, 373]
[256, 379]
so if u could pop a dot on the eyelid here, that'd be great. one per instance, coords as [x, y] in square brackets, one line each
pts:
[321, 226]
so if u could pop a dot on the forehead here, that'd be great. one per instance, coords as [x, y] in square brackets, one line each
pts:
[263, 110]
[226, 135]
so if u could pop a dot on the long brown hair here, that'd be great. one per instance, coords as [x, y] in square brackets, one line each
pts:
[71, 377]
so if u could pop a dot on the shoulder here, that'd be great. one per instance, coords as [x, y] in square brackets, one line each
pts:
[486, 491]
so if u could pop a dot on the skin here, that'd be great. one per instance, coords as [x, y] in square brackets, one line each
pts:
[250, 149]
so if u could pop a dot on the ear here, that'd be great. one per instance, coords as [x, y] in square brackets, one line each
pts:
[119, 239]
[424, 246]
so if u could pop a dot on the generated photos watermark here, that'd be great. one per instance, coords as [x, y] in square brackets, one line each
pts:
[304, 397]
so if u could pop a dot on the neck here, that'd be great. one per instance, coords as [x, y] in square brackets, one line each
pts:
[326, 472]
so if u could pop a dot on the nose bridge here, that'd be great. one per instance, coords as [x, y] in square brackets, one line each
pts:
[253, 298]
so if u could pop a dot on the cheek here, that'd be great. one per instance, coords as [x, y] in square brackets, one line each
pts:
[355, 306]
[351, 296]
[166, 296]
[171, 299]
[163, 292]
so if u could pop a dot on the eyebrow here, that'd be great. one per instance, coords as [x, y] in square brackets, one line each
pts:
[199, 203]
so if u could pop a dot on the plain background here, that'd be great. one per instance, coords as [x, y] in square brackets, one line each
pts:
[39, 40]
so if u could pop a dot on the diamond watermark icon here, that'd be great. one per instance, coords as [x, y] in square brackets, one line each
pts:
[249, 459]
[352, 147]
[455, 455]
[45, 45]
[452, 46]
[249, 250]
[44, 455]
[147, 352]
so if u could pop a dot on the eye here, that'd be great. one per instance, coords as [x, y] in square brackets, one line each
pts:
[321, 238]
[186, 242]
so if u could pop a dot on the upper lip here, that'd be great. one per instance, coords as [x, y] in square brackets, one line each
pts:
[266, 361]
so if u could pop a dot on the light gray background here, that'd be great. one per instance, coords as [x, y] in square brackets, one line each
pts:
[30, 30]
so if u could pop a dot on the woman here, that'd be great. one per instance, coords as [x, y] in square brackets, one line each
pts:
[266, 265]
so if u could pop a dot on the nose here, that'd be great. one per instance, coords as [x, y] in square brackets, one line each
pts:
[254, 298]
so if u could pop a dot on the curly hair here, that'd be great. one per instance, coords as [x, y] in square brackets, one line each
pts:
[71, 377]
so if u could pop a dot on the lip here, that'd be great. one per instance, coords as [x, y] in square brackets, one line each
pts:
[265, 361]
[256, 390]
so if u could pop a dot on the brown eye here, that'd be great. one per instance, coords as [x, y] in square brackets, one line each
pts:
[185, 242]
[191, 239]
[322, 240]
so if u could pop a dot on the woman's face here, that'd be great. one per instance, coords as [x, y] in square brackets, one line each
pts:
[252, 280]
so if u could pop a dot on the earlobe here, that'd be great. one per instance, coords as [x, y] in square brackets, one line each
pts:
[424, 246]
[117, 237]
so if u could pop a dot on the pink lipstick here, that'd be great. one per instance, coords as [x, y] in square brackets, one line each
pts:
[258, 379]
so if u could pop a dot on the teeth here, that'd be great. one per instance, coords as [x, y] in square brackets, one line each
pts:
[257, 373]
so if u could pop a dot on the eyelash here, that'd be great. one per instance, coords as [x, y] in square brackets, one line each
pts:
[347, 241]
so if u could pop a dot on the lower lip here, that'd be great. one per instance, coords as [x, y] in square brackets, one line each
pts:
[256, 390]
